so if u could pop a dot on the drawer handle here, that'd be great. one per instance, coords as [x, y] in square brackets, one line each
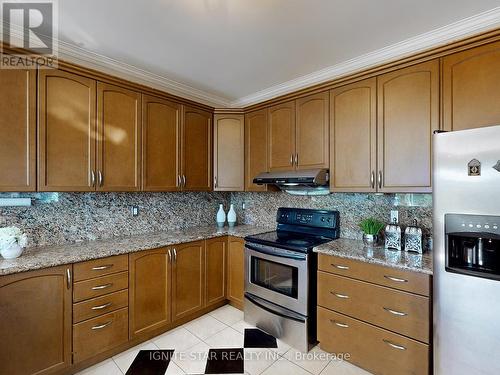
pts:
[340, 267]
[341, 325]
[344, 296]
[396, 279]
[99, 287]
[100, 268]
[394, 312]
[102, 306]
[101, 326]
[395, 346]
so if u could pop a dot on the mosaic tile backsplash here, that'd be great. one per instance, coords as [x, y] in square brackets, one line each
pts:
[260, 208]
[59, 218]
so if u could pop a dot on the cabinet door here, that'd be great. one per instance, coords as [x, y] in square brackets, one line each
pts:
[256, 148]
[312, 142]
[67, 133]
[18, 129]
[197, 150]
[282, 137]
[236, 270]
[353, 137]
[160, 144]
[471, 90]
[119, 144]
[35, 310]
[408, 113]
[229, 152]
[215, 270]
[188, 279]
[149, 291]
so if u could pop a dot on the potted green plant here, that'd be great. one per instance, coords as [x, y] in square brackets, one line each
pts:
[371, 228]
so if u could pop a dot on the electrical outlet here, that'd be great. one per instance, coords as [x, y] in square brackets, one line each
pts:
[243, 206]
[134, 210]
[394, 216]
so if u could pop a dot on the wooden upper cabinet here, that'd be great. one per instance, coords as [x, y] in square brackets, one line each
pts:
[353, 137]
[119, 138]
[408, 113]
[229, 152]
[215, 270]
[312, 129]
[471, 89]
[149, 293]
[67, 132]
[282, 136]
[197, 150]
[35, 310]
[160, 144]
[18, 129]
[188, 279]
[256, 148]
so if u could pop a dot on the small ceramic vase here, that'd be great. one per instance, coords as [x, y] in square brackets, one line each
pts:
[221, 216]
[231, 216]
[11, 251]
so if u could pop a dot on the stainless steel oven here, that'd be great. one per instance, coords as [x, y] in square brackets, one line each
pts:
[278, 275]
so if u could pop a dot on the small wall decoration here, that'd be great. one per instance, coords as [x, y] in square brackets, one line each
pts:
[474, 167]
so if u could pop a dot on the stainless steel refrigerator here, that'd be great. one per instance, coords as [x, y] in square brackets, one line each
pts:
[467, 252]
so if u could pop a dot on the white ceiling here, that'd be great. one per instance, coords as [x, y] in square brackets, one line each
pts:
[235, 52]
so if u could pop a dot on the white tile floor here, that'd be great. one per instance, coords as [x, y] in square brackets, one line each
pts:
[224, 328]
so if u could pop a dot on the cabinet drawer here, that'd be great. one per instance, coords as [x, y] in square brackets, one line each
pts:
[99, 305]
[83, 290]
[413, 282]
[374, 349]
[100, 267]
[395, 310]
[97, 335]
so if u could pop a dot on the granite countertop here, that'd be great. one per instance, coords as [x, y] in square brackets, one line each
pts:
[355, 249]
[49, 256]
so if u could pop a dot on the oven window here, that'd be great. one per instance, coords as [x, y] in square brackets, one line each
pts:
[274, 276]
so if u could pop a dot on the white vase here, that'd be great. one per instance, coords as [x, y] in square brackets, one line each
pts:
[11, 251]
[221, 216]
[231, 216]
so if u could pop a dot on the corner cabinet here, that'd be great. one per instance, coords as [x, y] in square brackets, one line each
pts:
[408, 114]
[196, 150]
[18, 129]
[353, 137]
[161, 132]
[215, 270]
[236, 271]
[119, 138]
[229, 152]
[35, 324]
[66, 131]
[471, 89]
[256, 148]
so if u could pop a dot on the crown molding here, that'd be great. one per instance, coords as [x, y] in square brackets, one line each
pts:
[458, 30]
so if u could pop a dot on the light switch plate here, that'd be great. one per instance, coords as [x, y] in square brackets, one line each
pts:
[134, 210]
[394, 215]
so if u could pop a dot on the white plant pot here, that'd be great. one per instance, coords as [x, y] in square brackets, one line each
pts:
[11, 251]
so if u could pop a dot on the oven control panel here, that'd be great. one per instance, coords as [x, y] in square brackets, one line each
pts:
[313, 218]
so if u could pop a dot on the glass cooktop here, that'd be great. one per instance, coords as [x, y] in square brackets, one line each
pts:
[288, 240]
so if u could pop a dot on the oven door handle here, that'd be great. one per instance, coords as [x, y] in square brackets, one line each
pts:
[275, 310]
[276, 252]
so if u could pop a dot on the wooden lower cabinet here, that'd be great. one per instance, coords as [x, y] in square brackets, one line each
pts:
[374, 349]
[215, 270]
[236, 271]
[382, 328]
[35, 323]
[149, 293]
[188, 279]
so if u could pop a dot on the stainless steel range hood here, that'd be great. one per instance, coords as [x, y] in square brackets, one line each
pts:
[302, 182]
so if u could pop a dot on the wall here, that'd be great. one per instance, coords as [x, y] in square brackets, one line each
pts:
[353, 207]
[58, 218]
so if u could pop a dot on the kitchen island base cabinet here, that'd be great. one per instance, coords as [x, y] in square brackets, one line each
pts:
[188, 279]
[149, 294]
[236, 271]
[35, 322]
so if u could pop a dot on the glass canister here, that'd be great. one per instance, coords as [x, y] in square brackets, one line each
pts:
[413, 238]
[393, 236]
